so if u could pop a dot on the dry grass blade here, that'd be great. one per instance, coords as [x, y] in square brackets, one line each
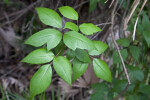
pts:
[134, 31]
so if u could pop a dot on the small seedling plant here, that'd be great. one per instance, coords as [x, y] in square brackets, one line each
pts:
[69, 65]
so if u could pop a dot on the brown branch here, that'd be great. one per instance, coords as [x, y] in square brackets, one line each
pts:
[113, 38]
[22, 13]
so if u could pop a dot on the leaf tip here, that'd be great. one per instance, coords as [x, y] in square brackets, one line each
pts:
[22, 60]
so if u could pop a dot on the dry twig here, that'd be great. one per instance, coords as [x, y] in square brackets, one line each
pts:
[22, 13]
[117, 47]
[138, 18]
[133, 7]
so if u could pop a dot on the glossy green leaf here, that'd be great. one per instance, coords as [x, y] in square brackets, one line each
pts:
[123, 42]
[71, 26]
[89, 28]
[82, 55]
[99, 48]
[49, 17]
[73, 40]
[68, 12]
[146, 35]
[50, 36]
[39, 56]
[78, 68]
[63, 68]
[135, 52]
[40, 80]
[101, 70]
[116, 58]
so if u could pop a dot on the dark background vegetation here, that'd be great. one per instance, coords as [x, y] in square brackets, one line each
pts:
[19, 20]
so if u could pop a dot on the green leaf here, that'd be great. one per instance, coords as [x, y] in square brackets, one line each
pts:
[116, 58]
[135, 73]
[101, 70]
[135, 52]
[120, 85]
[132, 97]
[7, 2]
[71, 26]
[60, 48]
[63, 68]
[123, 42]
[99, 48]
[68, 12]
[70, 54]
[145, 22]
[50, 36]
[49, 17]
[39, 56]
[82, 55]
[100, 93]
[40, 80]
[78, 68]
[89, 28]
[73, 40]
[144, 89]
[146, 35]
[93, 5]
[100, 87]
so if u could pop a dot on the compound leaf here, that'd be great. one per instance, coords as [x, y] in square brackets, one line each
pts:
[68, 12]
[63, 68]
[99, 48]
[49, 17]
[50, 36]
[73, 40]
[78, 68]
[71, 26]
[101, 70]
[89, 28]
[39, 56]
[41, 80]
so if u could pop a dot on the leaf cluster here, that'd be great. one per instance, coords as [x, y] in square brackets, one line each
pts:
[80, 50]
